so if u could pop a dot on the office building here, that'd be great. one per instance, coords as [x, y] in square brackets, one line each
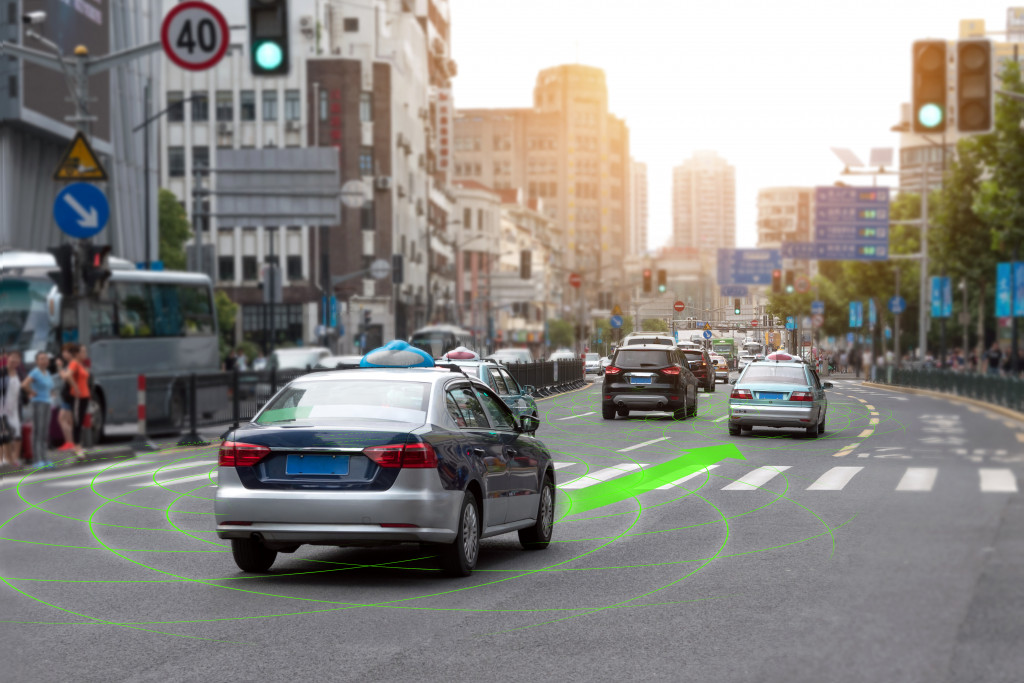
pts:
[704, 204]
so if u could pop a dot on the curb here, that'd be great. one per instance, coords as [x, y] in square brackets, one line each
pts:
[954, 398]
[565, 393]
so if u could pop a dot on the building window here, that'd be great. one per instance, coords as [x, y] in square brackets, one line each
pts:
[366, 106]
[249, 270]
[200, 157]
[467, 218]
[351, 24]
[366, 217]
[270, 105]
[175, 108]
[200, 107]
[294, 268]
[366, 161]
[176, 162]
[323, 105]
[292, 108]
[247, 105]
[479, 219]
[225, 105]
[226, 268]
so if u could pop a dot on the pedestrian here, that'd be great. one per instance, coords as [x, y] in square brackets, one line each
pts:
[241, 362]
[65, 399]
[75, 395]
[10, 411]
[39, 387]
[230, 360]
[992, 358]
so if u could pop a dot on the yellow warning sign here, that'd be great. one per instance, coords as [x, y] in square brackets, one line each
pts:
[80, 162]
[617, 310]
[707, 326]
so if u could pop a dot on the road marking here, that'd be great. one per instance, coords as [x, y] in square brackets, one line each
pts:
[865, 433]
[602, 475]
[874, 412]
[125, 473]
[873, 421]
[724, 417]
[673, 484]
[559, 464]
[1010, 424]
[755, 478]
[641, 445]
[862, 400]
[869, 407]
[997, 480]
[835, 479]
[846, 451]
[918, 479]
[573, 417]
[177, 480]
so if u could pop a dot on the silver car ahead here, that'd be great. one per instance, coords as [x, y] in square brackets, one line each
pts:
[778, 394]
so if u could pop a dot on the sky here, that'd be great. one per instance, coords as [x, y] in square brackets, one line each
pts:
[770, 86]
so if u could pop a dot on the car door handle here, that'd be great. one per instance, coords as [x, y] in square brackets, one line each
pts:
[478, 451]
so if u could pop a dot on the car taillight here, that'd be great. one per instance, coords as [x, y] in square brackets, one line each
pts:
[238, 454]
[741, 393]
[418, 455]
[672, 372]
[612, 370]
[801, 396]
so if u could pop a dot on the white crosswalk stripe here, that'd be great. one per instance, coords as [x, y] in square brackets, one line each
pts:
[173, 481]
[602, 475]
[835, 479]
[562, 464]
[759, 477]
[997, 480]
[677, 482]
[918, 479]
[125, 473]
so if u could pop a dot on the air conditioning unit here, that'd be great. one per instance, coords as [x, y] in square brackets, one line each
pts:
[382, 183]
[293, 126]
[225, 128]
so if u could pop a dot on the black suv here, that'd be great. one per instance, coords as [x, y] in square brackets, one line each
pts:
[702, 368]
[648, 377]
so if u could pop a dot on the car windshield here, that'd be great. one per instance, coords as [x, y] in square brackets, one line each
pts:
[780, 374]
[330, 402]
[693, 355]
[294, 360]
[24, 324]
[642, 358]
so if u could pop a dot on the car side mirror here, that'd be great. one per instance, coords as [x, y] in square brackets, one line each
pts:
[528, 423]
[529, 389]
[828, 385]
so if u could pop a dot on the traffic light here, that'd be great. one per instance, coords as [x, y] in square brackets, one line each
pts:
[929, 89]
[647, 280]
[776, 281]
[64, 278]
[974, 101]
[662, 281]
[524, 264]
[268, 37]
[397, 269]
[96, 268]
[789, 281]
[736, 306]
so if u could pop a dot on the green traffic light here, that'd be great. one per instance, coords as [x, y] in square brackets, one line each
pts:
[789, 289]
[269, 55]
[929, 115]
[661, 288]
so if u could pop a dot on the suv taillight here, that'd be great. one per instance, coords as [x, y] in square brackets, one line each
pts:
[672, 372]
[238, 454]
[612, 370]
[801, 396]
[741, 393]
[417, 455]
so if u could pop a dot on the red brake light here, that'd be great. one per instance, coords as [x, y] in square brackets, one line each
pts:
[418, 455]
[612, 370]
[741, 393]
[801, 396]
[238, 454]
[670, 371]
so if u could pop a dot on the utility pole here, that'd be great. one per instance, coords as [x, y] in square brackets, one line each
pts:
[922, 314]
[896, 328]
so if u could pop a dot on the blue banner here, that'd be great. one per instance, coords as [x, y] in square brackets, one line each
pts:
[1004, 289]
[334, 311]
[856, 313]
[942, 297]
[1018, 289]
[872, 313]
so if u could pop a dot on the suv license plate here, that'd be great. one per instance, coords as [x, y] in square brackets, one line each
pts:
[639, 380]
[316, 464]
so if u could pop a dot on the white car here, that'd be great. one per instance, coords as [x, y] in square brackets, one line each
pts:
[592, 364]
[721, 367]
[648, 338]
[745, 358]
[512, 355]
[562, 354]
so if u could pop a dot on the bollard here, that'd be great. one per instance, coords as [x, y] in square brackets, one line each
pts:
[140, 442]
[192, 438]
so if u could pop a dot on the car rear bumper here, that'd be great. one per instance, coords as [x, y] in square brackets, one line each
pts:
[333, 517]
[645, 401]
[724, 375]
[771, 415]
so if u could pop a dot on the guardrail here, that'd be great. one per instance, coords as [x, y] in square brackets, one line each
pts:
[995, 389]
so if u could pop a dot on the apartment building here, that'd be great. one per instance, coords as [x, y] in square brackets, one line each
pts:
[704, 203]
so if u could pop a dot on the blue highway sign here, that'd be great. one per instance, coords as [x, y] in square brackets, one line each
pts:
[817, 308]
[851, 232]
[734, 290]
[747, 266]
[616, 321]
[897, 304]
[81, 210]
[829, 196]
[837, 251]
[851, 224]
[829, 214]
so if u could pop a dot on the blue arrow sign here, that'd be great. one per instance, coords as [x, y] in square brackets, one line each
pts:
[817, 308]
[81, 210]
[707, 334]
[615, 321]
[897, 304]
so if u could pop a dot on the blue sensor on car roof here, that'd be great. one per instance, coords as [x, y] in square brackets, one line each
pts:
[397, 354]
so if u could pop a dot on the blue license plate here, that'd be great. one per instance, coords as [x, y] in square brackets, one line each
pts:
[769, 394]
[639, 380]
[316, 464]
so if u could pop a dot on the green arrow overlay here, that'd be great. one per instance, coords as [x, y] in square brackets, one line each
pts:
[642, 481]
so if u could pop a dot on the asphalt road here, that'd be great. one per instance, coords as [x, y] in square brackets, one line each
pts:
[890, 549]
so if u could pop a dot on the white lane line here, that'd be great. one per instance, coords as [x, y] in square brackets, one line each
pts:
[724, 417]
[835, 479]
[673, 484]
[177, 480]
[759, 477]
[573, 417]
[126, 473]
[918, 479]
[559, 464]
[641, 445]
[602, 475]
[997, 480]
[869, 407]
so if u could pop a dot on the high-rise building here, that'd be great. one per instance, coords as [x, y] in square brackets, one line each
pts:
[784, 215]
[637, 207]
[704, 203]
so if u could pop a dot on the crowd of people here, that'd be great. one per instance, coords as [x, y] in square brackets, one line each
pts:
[993, 361]
[52, 390]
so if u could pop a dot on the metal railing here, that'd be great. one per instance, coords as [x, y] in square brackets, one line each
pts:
[995, 389]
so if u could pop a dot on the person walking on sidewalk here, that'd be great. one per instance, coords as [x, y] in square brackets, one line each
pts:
[75, 394]
[39, 388]
[10, 411]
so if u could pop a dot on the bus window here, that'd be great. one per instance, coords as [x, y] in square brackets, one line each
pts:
[101, 320]
[166, 308]
[196, 307]
[134, 319]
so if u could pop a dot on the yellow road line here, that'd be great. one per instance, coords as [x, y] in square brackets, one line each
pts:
[846, 451]
[862, 400]
[870, 407]
[873, 421]
[874, 412]
[869, 432]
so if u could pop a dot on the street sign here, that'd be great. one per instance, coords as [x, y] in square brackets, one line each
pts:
[851, 223]
[837, 251]
[333, 321]
[707, 327]
[802, 284]
[856, 313]
[616, 310]
[817, 308]
[1004, 289]
[747, 266]
[870, 232]
[817, 320]
[615, 321]
[872, 313]
[353, 194]
[850, 337]
[734, 290]
[897, 304]
[195, 35]
[707, 334]
[575, 279]
[806, 322]
[79, 162]
[380, 269]
[942, 297]
[753, 323]
[790, 322]
[679, 306]
[81, 210]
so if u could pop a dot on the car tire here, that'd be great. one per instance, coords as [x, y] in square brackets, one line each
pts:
[812, 432]
[459, 557]
[734, 430]
[623, 412]
[821, 427]
[251, 555]
[608, 412]
[711, 387]
[681, 413]
[693, 409]
[538, 536]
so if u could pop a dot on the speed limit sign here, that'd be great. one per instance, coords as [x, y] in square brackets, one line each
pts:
[195, 35]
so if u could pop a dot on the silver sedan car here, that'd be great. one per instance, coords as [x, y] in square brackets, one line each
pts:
[782, 393]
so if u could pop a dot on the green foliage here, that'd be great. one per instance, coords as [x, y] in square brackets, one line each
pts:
[560, 333]
[227, 311]
[174, 230]
[654, 325]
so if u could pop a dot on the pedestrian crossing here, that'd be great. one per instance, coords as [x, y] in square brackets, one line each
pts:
[841, 478]
[133, 474]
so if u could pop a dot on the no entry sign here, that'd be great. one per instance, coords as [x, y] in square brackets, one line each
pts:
[680, 306]
[195, 35]
[575, 279]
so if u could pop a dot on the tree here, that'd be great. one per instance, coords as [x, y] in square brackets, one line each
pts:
[227, 311]
[654, 325]
[560, 333]
[174, 230]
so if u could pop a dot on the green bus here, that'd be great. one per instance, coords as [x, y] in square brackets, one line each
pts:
[725, 348]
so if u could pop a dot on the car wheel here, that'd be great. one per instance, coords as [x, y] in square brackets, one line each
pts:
[734, 430]
[681, 413]
[459, 557]
[693, 409]
[251, 555]
[623, 412]
[821, 427]
[711, 386]
[608, 412]
[812, 432]
[538, 536]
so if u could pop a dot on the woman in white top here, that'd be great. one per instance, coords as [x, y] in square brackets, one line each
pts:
[10, 411]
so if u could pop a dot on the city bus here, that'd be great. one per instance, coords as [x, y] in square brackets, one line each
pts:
[145, 322]
[440, 339]
[727, 349]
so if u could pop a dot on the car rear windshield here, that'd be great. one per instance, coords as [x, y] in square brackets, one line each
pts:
[693, 355]
[781, 374]
[593, 357]
[328, 402]
[636, 341]
[642, 358]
